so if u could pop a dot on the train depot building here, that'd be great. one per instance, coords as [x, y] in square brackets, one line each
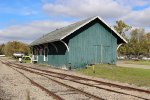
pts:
[90, 41]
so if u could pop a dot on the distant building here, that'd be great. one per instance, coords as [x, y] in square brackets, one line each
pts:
[85, 42]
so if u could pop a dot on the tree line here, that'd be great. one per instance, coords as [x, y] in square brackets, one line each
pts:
[14, 46]
[138, 40]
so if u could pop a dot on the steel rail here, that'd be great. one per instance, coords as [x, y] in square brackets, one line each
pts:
[50, 93]
[68, 86]
[87, 79]
[91, 85]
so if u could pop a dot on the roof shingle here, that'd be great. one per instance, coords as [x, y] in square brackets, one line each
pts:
[61, 33]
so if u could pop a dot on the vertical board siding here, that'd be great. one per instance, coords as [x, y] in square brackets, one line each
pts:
[40, 58]
[57, 60]
[114, 50]
[95, 44]
[57, 57]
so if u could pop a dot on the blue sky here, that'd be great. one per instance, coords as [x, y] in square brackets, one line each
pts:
[26, 20]
[20, 12]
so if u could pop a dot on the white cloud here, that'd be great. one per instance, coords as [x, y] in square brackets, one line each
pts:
[107, 9]
[110, 9]
[140, 18]
[147, 29]
[133, 3]
[29, 32]
[84, 8]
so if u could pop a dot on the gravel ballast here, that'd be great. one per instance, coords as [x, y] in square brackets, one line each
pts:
[17, 87]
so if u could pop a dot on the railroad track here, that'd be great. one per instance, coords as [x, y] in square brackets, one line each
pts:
[76, 78]
[55, 96]
[50, 93]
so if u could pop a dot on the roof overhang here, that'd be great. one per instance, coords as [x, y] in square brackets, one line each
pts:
[124, 40]
[80, 26]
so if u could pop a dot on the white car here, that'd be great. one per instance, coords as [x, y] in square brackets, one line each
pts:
[135, 58]
[145, 58]
[2, 55]
[121, 57]
[18, 54]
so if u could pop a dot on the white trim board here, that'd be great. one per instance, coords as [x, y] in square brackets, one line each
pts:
[89, 22]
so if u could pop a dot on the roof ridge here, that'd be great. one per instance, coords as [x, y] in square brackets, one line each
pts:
[50, 33]
[61, 33]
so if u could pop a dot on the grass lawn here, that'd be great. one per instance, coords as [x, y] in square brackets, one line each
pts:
[139, 77]
[140, 62]
[26, 61]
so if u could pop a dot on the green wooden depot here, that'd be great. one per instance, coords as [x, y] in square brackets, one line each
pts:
[90, 41]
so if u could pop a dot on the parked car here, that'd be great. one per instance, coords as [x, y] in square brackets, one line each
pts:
[145, 58]
[135, 58]
[26, 59]
[121, 57]
[18, 55]
[2, 55]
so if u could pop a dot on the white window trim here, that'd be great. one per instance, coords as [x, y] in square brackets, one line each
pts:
[36, 55]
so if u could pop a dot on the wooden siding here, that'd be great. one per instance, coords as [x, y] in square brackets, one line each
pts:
[57, 56]
[93, 45]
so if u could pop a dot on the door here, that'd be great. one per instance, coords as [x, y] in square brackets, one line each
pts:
[106, 54]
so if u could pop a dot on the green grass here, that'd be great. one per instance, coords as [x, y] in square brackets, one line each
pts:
[139, 77]
[27, 61]
[140, 62]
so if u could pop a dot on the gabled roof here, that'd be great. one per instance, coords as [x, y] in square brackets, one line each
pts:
[61, 33]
